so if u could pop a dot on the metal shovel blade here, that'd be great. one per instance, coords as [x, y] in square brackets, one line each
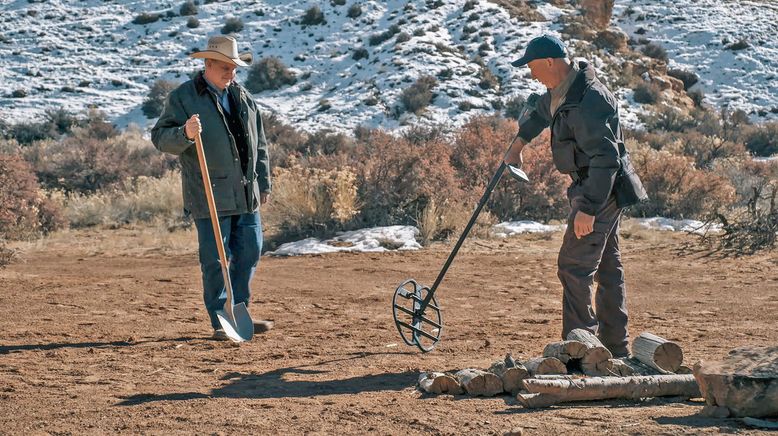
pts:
[518, 174]
[239, 327]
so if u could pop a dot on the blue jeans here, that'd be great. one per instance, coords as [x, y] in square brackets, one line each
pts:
[242, 236]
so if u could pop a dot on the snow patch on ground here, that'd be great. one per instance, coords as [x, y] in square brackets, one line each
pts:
[510, 228]
[377, 239]
[668, 224]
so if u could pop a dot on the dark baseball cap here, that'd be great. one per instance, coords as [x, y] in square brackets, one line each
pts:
[542, 47]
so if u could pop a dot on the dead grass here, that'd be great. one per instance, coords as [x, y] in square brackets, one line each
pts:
[145, 200]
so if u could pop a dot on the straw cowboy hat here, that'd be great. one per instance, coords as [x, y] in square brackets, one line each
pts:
[225, 49]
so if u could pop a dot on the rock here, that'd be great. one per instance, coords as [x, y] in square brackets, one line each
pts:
[597, 12]
[518, 431]
[745, 382]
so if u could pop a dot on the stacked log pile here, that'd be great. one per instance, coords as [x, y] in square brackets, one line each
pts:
[577, 369]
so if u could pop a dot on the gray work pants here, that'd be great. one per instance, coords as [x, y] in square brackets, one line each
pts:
[582, 261]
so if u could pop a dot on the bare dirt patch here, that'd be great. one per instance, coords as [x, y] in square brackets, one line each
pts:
[104, 332]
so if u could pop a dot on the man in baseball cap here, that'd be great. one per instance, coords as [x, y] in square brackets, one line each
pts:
[587, 144]
[542, 47]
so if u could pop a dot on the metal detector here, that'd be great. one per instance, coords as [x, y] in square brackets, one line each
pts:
[415, 309]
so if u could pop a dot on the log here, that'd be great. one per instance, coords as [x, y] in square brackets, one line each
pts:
[631, 366]
[538, 401]
[596, 358]
[745, 382]
[479, 383]
[510, 372]
[657, 352]
[439, 383]
[565, 350]
[545, 365]
[555, 377]
[603, 388]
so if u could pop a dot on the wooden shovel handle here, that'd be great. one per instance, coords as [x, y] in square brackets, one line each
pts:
[217, 232]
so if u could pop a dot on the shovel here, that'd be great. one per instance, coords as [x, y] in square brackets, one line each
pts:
[234, 319]
[414, 307]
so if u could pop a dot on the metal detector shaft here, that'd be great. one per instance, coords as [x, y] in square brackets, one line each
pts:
[481, 203]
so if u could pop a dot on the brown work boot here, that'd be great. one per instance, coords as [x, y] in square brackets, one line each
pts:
[261, 326]
[219, 335]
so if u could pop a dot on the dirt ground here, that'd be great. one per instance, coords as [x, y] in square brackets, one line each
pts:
[104, 332]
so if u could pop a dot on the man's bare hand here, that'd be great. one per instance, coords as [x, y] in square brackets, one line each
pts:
[192, 127]
[513, 156]
[583, 224]
[264, 197]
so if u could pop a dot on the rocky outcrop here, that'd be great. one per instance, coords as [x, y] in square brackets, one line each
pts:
[745, 383]
[597, 13]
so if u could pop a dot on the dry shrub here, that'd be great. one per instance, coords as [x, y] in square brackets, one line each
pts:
[544, 198]
[677, 189]
[647, 93]
[311, 201]
[655, 51]
[86, 163]
[521, 10]
[24, 210]
[6, 254]
[283, 139]
[232, 25]
[155, 100]
[703, 149]
[419, 95]
[753, 224]
[397, 177]
[447, 220]
[479, 148]
[761, 140]
[669, 119]
[269, 73]
[145, 199]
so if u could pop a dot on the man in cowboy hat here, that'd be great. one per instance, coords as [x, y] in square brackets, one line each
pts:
[215, 105]
[588, 145]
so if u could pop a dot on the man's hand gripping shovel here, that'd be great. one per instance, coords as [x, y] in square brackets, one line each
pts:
[234, 318]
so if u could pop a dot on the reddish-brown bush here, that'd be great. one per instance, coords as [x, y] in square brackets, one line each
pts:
[397, 178]
[85, 163]
[479, 148]
[676, 188]
[24, 211]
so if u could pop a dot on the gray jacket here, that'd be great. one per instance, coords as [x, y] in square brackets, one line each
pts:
[586, 140]
[234, 192]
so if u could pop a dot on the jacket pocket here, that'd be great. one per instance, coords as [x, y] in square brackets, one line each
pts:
[223, 193]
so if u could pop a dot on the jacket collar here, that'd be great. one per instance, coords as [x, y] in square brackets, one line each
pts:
[201, 86]
[586, 76]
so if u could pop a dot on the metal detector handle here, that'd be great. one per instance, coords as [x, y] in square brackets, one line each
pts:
[481, 203]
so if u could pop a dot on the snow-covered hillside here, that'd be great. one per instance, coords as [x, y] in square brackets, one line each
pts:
[730, 44]
[76, 54]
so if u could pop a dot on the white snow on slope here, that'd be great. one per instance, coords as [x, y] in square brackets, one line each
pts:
[73, 54]
[695, 34]
[76, 54]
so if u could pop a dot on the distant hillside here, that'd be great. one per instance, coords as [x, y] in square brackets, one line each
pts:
[352, 68]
